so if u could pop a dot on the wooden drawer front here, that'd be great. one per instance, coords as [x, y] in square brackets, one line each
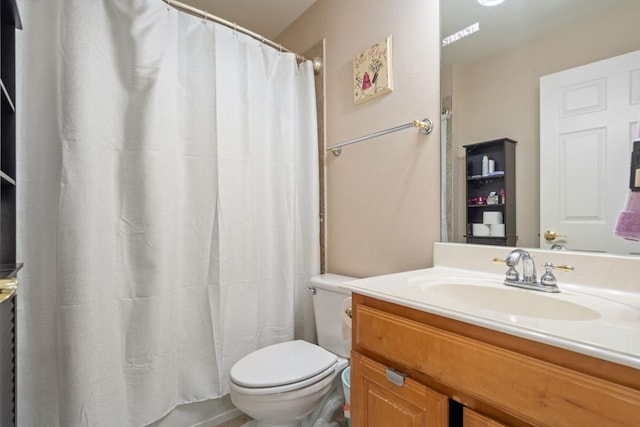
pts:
[473, 419]
[534, 391]
[376, 402]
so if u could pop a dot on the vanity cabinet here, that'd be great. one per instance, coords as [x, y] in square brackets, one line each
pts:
[9, 21]
[499, 379]
[491, 220]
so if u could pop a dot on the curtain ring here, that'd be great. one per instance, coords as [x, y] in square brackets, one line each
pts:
[205, 16]
[235, 28]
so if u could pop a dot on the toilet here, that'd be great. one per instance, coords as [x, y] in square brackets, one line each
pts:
[282, 384]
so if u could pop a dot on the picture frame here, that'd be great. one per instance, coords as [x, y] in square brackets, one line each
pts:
[372, 72]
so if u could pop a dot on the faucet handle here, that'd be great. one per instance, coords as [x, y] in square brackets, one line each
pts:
[548, 279]
[566, 268]
[512, 273]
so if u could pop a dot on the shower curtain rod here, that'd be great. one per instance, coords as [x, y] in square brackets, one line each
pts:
[425, 125]
[209, 17]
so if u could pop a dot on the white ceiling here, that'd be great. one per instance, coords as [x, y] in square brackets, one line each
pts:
[265, 17]
[508, 24]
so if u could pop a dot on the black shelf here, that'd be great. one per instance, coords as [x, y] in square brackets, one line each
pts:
[499, 205]
[485, 178]
[502, 152]
[10, 270]
[9, 22]
[11, 14]
[7, 102]
[482, 239]
[6, 179]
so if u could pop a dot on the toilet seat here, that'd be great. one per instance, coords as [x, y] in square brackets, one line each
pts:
[282, 367]
[309, 383]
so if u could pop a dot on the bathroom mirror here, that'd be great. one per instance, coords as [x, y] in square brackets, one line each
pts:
[491, 63]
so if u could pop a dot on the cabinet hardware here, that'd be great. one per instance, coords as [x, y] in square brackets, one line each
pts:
[396, 377]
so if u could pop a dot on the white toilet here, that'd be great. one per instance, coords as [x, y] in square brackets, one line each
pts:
[281, 384]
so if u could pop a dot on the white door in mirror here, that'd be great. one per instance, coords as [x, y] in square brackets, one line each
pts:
[587, 121]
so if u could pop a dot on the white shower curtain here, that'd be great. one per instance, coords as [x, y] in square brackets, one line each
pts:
[168, 208]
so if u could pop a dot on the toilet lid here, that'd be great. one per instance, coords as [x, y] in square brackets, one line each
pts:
[281, 364]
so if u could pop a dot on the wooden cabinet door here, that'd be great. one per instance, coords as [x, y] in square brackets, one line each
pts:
[377, 402]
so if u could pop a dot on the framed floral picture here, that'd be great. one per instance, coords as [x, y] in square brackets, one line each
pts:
[372, 72]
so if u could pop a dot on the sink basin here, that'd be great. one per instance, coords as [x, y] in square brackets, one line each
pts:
[483, 295]
[518, 302]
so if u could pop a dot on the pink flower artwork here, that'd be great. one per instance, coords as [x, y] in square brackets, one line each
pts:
[374, 61]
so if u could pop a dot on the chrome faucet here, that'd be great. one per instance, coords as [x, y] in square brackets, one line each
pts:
[528, 268]
[529, 280]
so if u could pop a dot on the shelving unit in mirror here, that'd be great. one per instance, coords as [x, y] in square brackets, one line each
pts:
[491, 192]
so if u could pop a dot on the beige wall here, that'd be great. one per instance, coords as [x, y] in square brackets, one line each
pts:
[383, 207]
[499, 97]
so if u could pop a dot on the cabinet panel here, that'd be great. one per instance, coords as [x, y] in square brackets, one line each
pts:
[376, 402]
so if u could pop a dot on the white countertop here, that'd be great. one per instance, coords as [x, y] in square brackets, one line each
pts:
[613, 334]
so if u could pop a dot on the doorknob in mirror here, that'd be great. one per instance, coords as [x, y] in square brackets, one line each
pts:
[551, 235]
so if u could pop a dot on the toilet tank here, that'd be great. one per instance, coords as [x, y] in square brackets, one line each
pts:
[333, 334]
